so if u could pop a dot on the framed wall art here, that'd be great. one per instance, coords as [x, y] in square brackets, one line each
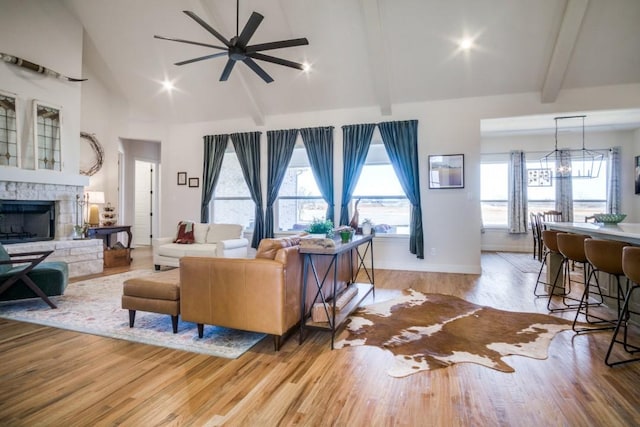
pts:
[637, 174]
[539, 177]
[47, 125]
[9, 135]
[194, 182]
[446, 171]
[182, 178]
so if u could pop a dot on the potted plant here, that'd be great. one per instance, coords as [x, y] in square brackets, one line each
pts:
[346, 234]
[321, 226]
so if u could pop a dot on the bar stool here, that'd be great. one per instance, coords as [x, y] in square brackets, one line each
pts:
[550, 244]
[604, 256]
[571, 246]
[631, 268]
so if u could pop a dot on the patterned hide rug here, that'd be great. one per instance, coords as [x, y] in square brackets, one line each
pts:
[433, 331]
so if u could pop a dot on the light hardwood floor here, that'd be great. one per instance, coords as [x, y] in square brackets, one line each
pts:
[55, 377]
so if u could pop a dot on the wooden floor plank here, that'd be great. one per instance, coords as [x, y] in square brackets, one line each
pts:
[50, 376]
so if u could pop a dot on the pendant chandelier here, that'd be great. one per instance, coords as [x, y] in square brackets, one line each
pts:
[572, 163]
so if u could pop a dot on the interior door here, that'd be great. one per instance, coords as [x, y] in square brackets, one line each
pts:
[143, 203]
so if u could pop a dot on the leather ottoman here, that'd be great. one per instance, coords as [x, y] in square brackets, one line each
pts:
[156, 293]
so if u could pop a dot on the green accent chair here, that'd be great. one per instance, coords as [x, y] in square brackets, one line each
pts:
[25, 275]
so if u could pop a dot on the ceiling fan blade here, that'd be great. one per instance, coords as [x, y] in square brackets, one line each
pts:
[190, 42]
[207, 27]
[277, 45]
[275, 60]
[227, 70]
[250, 27]
[258, 70]
[201, 58]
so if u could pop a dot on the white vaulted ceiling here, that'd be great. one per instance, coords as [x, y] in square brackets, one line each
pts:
[363, 52]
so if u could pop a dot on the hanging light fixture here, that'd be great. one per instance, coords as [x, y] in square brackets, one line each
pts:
[572, 163]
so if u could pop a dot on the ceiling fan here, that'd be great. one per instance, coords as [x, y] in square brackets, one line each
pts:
[237, 49]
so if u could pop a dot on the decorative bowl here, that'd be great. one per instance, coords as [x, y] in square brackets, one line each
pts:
[609, 218]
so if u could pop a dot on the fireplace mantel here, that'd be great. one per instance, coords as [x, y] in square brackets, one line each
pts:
[12, 174]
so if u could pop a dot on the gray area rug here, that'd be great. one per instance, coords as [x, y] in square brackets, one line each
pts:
[93, 306]
[522, 261]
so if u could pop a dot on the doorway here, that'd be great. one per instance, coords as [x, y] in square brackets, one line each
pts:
[143, 203]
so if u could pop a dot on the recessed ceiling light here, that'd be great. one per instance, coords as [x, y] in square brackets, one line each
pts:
[466, 43]
[168, 85]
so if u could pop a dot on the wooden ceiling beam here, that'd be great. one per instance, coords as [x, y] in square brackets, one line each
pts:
[563, 50]
[378, 59]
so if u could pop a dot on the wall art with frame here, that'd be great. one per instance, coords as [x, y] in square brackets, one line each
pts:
[539, 177]
[637, 174]
[446, 171]
[182, 178]
[194, 182]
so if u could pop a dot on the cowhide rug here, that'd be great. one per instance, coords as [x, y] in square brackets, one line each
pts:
[433, 331]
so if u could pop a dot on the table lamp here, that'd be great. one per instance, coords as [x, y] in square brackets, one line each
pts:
[94, 198]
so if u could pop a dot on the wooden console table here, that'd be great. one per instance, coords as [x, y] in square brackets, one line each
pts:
[361, 245]
[106, 233]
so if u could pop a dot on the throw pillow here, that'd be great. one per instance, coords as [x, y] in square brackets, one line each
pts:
[185, 233]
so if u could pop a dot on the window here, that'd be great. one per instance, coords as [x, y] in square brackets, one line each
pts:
[47, 136]
[232, 203]
[9, 155]
[299, 198]
[589, 195]
[493, 192]
[381, 196]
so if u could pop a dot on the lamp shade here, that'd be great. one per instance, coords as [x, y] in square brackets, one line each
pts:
[95, 197]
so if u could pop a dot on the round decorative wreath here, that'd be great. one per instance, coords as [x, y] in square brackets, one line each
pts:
[98, 151]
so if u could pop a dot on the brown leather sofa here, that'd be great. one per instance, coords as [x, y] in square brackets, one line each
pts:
[258, 295]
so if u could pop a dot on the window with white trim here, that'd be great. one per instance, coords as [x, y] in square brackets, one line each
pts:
[589, 194]
[9, 146]
[382, 199]
[231, 202]
[47, 125]
[299, 198]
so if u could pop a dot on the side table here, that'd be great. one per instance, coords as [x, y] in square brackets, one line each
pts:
[106, 233]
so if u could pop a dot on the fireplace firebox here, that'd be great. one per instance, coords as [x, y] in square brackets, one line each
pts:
[26, 221]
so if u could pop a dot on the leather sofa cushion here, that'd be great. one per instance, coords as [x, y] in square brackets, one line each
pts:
[176, 250]
[163, 286]
[268, 248]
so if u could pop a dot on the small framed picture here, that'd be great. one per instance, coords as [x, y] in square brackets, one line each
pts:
[539, 177]
[446, 171]
[182, 178]
[194, 182]
[637, 175]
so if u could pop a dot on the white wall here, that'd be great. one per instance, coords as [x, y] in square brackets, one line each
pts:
[43, 32]
[451, 217]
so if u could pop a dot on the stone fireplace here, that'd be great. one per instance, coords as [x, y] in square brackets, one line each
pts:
[63, 196]
[83, 256]
[27, 221]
